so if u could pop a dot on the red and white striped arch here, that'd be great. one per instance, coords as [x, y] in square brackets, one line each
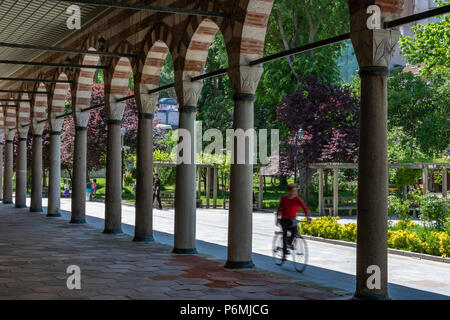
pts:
[58, 102]
[250, 34]
[118, 89]
[83, 92]
[10, 120]
[23, 116]
[39, 110]
[151, 72]
[155, 49]
[197, 52]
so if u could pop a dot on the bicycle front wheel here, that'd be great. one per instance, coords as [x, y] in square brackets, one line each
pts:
[277, 249]
[300, 254]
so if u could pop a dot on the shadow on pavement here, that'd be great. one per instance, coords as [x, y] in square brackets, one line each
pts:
[323, 276]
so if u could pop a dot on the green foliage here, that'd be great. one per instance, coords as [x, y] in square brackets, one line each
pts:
[128, 179]
[162, 156]
[429, 46]
[417, 115]
[434, 211]
[216, 102]
[399, 208]
[291, 24]
[406, 176]
[167, 77]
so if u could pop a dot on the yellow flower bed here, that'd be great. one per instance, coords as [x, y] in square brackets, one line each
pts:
[436, 243]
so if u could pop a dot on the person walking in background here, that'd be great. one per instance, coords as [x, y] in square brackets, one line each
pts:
[157, 190]
[94, 188]
[66, 193]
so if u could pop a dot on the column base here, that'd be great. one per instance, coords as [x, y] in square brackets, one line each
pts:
[78, 221]
[36, 210]
[53, 215]
[184, 251]
[239, 264]
[20, 206]
[7, 202]
[112, 231]
[371, 297]
[143, 239]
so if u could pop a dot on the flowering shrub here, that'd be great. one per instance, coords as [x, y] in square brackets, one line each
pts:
[328, 227]
[405, 224]
[435, 243]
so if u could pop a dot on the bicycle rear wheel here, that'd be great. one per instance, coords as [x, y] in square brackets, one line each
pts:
[300, 254]
[277, 249]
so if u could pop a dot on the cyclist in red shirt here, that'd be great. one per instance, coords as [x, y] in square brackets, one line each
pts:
[287, 213]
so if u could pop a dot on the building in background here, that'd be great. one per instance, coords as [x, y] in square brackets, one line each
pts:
[167, 114]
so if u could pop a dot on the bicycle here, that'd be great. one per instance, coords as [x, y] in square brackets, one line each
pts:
[299, 251]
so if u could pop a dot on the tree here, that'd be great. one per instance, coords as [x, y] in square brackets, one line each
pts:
[420, 107]
[292, 24]
[97, 133]
[216, 102]
[429, 45]
[428, 50]
[328, 116]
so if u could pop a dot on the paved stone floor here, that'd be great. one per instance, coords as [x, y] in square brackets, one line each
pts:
[328, 264]
[35, 252]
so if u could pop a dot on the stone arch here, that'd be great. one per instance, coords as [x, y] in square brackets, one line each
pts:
[117, 88]
[10, 120]
[197, 51]
[38, 109]
[249, 34]
[193, 62]
[23, 116]
[58, 100]
[154, 52]
[81, 97]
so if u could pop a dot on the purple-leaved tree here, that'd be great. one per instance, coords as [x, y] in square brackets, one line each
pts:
[328, 117]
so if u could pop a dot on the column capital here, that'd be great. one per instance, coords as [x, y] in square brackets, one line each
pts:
[245, 79]
[145, 103]
[10, 134]
[374, 48]
[191, 91]
[23, 132]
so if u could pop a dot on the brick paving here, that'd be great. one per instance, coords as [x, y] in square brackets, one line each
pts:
[35, 252]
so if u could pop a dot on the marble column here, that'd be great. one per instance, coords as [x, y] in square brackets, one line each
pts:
[8, 175]
[1, 170]
[79, 176]
[113, 199]
[21, 171]
[373, 49]
[54, 187]
[245, 81]
[144, 179]
[36, 174]
[185, 193]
